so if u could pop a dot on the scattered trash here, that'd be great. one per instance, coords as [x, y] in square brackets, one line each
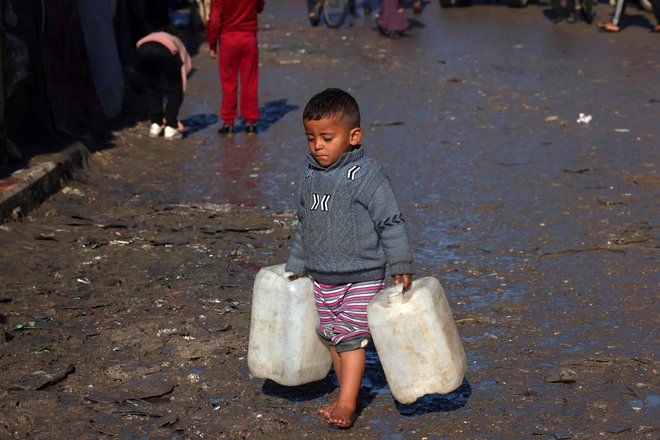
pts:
[386, 124]
[223, 328]
[120, 242]
[464, 320]
[138, 408]
[579, 171]
[72, 191]
[136, 388]
[584, 119]
[167, 331]
[94, 243]
[40, 380]
[46, 237]
[123, 372]
[552, 118]
[42, 351]
[565, 375]
[577, 251]
[513, 164]
[193, 378]
[216, 402]
[615, 427]
[561, 433]
[25, 325]
[622, 130]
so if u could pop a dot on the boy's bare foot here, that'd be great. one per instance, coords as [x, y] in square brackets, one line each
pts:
[342, 416]
[326, 410]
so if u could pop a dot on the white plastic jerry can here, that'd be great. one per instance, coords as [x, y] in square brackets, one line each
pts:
[283, 344]
[417, 340]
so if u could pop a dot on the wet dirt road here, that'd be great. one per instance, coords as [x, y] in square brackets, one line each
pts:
[126, 297]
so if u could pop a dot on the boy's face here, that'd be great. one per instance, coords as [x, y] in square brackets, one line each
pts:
[329, 138]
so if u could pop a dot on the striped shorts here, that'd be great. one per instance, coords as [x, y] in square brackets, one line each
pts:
[342, 310]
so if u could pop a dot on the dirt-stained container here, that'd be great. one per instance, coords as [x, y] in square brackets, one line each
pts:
[283, 344]
[417, 340]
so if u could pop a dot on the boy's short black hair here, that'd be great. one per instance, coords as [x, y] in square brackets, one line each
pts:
[333, 103]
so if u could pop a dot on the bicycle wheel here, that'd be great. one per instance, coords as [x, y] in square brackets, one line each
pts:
[334, 12]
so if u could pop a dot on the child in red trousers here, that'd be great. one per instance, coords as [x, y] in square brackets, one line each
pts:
[232, 37]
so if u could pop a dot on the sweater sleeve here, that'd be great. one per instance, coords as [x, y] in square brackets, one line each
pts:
[213, 26]
[260, 6]
[186, 62]
[296, 262]
[391, 227]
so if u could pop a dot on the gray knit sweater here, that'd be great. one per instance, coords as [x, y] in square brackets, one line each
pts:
[349, 227]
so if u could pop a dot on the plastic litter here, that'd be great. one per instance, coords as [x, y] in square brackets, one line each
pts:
[584, 119]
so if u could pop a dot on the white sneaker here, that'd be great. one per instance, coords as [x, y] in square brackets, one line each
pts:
[155, 130]
[172, 134]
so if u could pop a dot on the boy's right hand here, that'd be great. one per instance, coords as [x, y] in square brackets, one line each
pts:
[213, 53]
[405, 278]
[290, 276]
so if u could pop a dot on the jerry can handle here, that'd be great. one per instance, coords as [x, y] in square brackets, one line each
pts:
[397, 294]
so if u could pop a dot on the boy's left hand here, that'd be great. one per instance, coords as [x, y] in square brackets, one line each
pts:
[406, 278]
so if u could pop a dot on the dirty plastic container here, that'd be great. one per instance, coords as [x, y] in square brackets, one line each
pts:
[283, 344]
[417, 340]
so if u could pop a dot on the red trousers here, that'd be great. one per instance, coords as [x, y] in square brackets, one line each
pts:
[238, 54]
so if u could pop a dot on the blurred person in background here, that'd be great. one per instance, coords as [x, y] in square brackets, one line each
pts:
[614, 25]
[165, 63]
[559, 13]
[232, 37]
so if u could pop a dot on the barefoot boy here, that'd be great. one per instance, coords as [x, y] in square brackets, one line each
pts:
[349, 230]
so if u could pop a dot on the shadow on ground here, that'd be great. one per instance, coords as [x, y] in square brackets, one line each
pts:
[301, 393]
[271, 112]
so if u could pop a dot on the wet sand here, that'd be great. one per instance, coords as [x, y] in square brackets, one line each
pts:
[126, 298]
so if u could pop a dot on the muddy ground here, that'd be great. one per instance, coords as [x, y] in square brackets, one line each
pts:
[125, 298]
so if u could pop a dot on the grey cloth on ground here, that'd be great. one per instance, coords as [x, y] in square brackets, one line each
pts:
[350, 227]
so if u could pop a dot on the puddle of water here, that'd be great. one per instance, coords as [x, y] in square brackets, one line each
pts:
[652, 401]
[197, 370]
[385, 427]
[215, 401]
[240, 169]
